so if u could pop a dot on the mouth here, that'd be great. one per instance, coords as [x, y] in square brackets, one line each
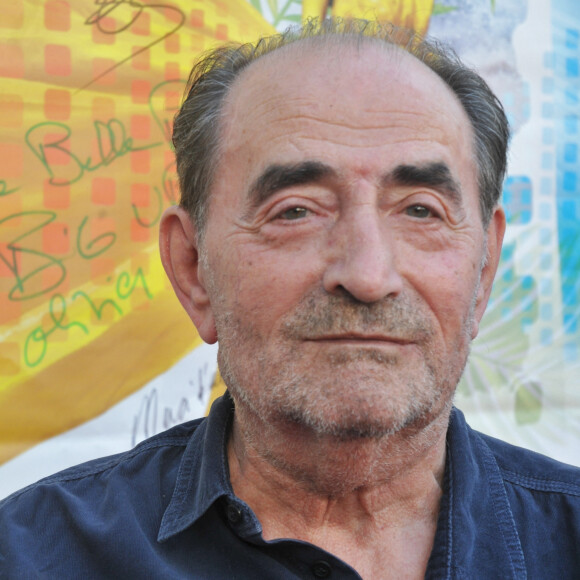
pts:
[361, 339]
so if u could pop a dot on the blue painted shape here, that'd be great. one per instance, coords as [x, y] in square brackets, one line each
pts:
[572, 37]
[570, 152]
[571, 97]
[545, 211]
[526, 323]
[546, 186]
[572, 69]
[569, 181]
[508, 100]
[570, 352]
[507, 252]
[545, 287]
[547, 161]
[517, 199]
[547, 136]
[527, 282]
[546, 312]
[546, 336]
[547, 110]
[570, 324]
[547, 85]
[571, 124]
[567, 212]
[569, 294]
[545, 236]
[545, 261]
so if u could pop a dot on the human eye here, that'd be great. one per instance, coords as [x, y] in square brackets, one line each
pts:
[293, 213]
[420, 211]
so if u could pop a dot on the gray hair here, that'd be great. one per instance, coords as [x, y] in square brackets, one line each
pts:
[196, 131]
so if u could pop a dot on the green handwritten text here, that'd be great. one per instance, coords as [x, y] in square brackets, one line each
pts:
[49, 143]
[4, 190]
[37, 342]
[21, 290]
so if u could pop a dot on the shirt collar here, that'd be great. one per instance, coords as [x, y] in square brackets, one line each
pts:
[203, 476]
[474, 507]
[476, 529]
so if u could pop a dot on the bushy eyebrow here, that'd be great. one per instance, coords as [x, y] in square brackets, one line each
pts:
[436, 175]
[278, 177]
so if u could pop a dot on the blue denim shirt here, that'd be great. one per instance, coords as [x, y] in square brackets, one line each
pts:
[166, 510]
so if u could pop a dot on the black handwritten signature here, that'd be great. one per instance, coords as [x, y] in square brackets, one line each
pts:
[169, 188]
[38, 220]
[109, 7]
[112, 142]
[164, 118]
[168, 180]
[25, 287]
[150, 419]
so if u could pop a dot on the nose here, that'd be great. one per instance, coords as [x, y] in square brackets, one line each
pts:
[363, 257]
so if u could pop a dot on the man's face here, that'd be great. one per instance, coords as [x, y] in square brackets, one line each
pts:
[344, 245]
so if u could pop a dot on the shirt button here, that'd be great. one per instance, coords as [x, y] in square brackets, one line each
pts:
[321, 569]
[233, 513]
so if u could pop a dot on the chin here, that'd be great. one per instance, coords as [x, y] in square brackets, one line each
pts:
[351, 397]
[352, 421]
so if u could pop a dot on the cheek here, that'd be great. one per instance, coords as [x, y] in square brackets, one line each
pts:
[447, 286]
[263, 286]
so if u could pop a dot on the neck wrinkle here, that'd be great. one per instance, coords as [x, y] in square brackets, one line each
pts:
[295, 482]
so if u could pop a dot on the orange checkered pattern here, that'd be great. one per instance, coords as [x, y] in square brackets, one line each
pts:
[87, 91]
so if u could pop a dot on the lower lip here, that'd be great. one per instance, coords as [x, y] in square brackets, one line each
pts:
[361, 342]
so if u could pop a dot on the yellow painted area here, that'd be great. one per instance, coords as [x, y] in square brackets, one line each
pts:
[411, 14]
[88, 93]
[92, 379]
[83, 315]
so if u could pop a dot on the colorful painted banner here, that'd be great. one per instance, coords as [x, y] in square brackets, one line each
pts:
[95, 351]
[88, 92]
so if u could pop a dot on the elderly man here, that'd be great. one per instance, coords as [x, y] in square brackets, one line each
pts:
[338, 234]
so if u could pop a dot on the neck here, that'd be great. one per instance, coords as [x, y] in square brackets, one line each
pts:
[285, 468]
[372, 502]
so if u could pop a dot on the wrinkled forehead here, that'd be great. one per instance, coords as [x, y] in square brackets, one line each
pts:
[351, 75]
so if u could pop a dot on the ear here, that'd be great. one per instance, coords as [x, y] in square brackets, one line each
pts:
[181, 259]
[495, 233]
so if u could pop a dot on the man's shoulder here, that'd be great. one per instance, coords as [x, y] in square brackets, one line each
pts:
[89, 517]
[511, 504]
[156, 452]
[92, 516]
[532, 470]
[544, 501]
[517, 465]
